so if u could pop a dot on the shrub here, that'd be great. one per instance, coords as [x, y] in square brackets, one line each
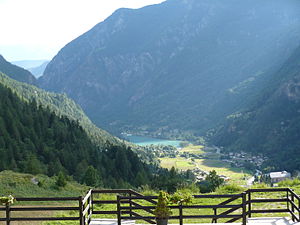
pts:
[289, 183]
[230, 189]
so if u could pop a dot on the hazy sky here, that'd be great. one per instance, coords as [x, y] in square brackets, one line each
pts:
[38, 29]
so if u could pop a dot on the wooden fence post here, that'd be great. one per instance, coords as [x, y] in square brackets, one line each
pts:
[249, 203]
[293, 208]
[287, 200]
[215, 220]
[90, 212]
[180, 214]
[119, 209]
[298, 210]
[130, 205]
[244, 201]
[7, 209]
[81, 219]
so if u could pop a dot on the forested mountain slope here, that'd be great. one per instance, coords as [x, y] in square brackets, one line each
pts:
[35, 140]
[61, 105]
[270, 125]
[182, 64]
[16, 72]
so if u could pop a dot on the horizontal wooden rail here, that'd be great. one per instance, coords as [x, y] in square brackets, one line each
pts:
[268, 190]
[270, 211]
[43, 218]
[218, 196]
[266, 200]
[20, 209]
[47, 199]
[112, 191]
[105, 212]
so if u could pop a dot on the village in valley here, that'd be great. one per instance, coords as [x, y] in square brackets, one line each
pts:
[189, 157]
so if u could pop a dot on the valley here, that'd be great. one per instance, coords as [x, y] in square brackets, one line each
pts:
[184, 96]
[200, 160]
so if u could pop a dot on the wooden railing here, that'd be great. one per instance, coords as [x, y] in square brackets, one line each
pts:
[134, 206]
[128, 193]
[129, 212]
[290, 202]
[235, 207]
[34, 205]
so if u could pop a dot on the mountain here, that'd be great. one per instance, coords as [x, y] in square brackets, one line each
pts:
[38, 70]
[61, 105]
[270, 124]
[179, 65]
[37, 141]
[16, 72]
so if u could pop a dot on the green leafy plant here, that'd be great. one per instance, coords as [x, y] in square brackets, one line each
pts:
[180, 197]
[162, 210]
[7, 200]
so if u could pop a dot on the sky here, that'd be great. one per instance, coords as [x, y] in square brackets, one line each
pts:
[38, 29]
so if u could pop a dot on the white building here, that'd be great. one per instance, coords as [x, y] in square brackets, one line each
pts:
[279, 176]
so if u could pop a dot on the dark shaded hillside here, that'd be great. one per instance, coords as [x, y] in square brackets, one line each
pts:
[271, 124]
[177, 65]
[15, 72]
[35, 140]
[61, 105]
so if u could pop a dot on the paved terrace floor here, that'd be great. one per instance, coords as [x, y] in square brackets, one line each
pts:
[252, 221]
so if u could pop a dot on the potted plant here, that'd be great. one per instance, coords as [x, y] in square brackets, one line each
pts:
[162, 210]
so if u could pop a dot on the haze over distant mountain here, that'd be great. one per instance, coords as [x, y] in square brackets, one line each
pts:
[16, 72]
[36, 67]
[270, 124]
[38, 70]
[26, 64]
[182, 64]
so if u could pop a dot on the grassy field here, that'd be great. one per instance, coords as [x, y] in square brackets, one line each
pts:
[196, 149]
[210, 162]
[179, 163]
[25, 185]
[223, 168]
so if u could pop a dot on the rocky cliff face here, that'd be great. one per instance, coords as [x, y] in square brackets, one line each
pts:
[181, 64]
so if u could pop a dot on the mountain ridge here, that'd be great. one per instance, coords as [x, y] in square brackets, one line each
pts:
[269, 125]
[151, 68]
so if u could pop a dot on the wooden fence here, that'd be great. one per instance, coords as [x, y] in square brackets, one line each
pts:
[134, 206]
[35, 205]
[234, 207]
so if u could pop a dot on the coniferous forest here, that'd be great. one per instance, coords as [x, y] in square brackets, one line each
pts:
[34, 140]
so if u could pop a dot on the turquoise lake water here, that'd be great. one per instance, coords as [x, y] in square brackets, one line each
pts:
[143, 141]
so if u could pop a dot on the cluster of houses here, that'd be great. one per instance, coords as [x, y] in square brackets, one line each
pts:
[238, 159]
[188, 155]
[200, 174]
[162, 151]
